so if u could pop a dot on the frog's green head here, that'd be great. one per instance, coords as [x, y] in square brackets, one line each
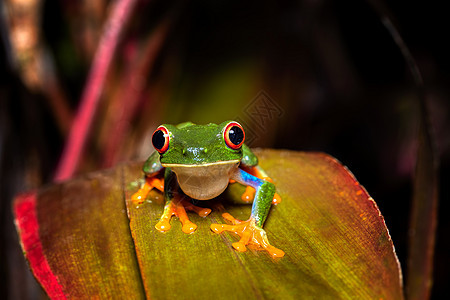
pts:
[191, 144]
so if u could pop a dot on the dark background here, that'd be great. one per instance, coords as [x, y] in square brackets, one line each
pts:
[334, 70]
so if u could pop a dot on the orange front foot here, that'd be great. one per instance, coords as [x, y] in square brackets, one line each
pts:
[149, 184]
[177, 207]
[251, 235]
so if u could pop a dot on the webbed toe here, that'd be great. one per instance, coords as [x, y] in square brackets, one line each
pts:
[177, 207]
[250, 235]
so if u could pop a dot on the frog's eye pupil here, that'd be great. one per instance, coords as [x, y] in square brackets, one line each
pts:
[160, 139]
[234, 135]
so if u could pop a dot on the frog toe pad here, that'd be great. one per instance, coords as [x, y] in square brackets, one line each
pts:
[249, 194]
[250, 235]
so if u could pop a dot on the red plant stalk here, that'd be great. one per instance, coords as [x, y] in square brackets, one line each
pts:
[79, 131]
[130, 95]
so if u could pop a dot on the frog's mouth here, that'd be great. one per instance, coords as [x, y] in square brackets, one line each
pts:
[204, 181]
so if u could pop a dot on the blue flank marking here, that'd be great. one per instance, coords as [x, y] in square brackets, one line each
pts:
[249, 179]
[259, 211]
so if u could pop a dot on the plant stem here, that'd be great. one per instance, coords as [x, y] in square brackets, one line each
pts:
[77, 138]
[129, 96]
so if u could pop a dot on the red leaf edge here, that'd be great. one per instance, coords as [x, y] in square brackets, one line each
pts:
[28, 228]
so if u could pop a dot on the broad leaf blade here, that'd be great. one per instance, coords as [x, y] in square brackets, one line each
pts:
[85, 239]
[335, 240]
[187, 266]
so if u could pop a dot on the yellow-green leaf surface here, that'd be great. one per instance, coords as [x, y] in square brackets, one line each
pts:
[84, 233]
[334, 237]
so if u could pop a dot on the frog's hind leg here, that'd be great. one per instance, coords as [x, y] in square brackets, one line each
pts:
[249, 193]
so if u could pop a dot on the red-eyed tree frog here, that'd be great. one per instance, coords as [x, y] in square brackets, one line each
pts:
[200, 161]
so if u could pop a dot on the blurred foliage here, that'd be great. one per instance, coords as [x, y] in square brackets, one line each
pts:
[335, 79]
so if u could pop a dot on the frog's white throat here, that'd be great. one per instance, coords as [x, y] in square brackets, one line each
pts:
[204, 181]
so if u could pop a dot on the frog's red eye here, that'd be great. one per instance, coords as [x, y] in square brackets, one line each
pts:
[234, 135]
[160, 139]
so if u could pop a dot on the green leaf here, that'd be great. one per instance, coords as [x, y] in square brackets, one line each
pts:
[334, 237]
[81, 229]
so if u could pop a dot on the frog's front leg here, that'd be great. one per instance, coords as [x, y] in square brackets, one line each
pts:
[176, 205]
[251, 232]
[153, 181]
[153, 178]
